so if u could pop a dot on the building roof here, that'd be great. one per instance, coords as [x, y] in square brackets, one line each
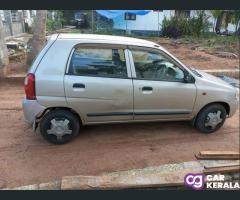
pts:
[111, 38]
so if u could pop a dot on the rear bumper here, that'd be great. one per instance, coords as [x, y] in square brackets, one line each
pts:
[31, 109]
[233, 107]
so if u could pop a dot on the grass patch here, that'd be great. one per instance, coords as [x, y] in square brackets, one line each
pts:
[216, 42]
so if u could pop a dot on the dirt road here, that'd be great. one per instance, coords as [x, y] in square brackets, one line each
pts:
[25, 158]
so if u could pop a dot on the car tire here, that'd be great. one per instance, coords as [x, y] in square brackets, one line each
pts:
[59, 126]
[211, 118]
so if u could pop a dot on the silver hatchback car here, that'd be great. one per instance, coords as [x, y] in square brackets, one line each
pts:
[81, 79]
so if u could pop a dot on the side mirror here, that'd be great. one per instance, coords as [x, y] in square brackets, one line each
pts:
[188, 78]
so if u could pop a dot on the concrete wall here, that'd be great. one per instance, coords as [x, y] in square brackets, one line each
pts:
[17, 28]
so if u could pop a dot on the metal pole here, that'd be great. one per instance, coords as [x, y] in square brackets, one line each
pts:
[158, 25]
[126, 22]
[92, 21]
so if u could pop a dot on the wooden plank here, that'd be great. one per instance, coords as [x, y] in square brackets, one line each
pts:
[126, 181]
[217, 157]
[226, 169]
[219, 153]
[221, 165]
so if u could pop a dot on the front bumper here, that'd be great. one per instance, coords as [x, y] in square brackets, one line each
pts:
[31, 110]
[233, 107]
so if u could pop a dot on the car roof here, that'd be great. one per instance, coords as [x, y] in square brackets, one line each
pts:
[108, 39]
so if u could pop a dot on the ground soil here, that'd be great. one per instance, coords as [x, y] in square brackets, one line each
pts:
[25, 158]
[198, 58]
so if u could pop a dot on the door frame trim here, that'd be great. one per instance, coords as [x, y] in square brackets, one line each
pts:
[136, 113]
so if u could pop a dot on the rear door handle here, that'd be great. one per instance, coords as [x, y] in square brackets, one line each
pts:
[78, 85]
[147, 88]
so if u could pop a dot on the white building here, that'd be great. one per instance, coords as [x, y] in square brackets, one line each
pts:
[153, 21]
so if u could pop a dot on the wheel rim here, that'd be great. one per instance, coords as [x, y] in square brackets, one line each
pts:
[59, 128]
[213, 119]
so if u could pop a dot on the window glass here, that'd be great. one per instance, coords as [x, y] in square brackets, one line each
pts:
[155, 66]
[103, 62]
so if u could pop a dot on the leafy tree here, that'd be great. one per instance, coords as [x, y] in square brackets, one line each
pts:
[215, 14]
[55, 22]
[236, 19]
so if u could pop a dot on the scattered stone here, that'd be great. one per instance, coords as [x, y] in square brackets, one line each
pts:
[17, 56]
[200, 49]
[11, 52]
[223, 54]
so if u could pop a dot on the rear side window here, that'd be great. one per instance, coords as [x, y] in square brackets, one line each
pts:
[102, 62]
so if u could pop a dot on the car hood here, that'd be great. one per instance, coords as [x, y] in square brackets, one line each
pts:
[215, 80]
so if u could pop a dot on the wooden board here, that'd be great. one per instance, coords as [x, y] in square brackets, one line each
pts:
[217, 157]
[159, 179]
[219, 153]
[226, 169]
[222, 165]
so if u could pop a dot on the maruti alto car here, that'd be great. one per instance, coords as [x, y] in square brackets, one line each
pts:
[84, 79]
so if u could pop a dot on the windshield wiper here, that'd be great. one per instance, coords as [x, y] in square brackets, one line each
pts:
[195, 72]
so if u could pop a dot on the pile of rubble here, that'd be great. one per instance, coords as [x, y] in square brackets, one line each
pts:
[18, 48]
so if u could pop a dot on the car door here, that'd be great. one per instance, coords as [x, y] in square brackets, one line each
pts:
[159, 88]
[98, 83]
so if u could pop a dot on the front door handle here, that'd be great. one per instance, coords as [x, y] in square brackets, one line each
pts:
[147, 88]
[78, 85]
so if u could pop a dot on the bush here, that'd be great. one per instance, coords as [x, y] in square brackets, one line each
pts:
[56, 23]
[52, 25]
[178, 26]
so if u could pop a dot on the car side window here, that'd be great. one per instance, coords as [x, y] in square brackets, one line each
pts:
[152, 65]
[102, 62]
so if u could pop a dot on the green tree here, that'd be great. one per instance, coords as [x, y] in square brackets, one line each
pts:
[227, 19]
[215, 14]
[236, 19]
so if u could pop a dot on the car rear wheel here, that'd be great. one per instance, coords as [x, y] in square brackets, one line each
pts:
[211, 118]
[59, 126]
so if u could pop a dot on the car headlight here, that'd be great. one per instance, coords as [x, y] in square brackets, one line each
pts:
[237, 94]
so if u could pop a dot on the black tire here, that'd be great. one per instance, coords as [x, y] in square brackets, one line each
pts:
[203, 115]
[73, 125]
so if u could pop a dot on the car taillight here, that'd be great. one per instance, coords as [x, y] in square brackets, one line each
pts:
[30, 87]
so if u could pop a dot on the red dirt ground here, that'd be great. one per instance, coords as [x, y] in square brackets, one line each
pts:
[25, 158]
[196, 58]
